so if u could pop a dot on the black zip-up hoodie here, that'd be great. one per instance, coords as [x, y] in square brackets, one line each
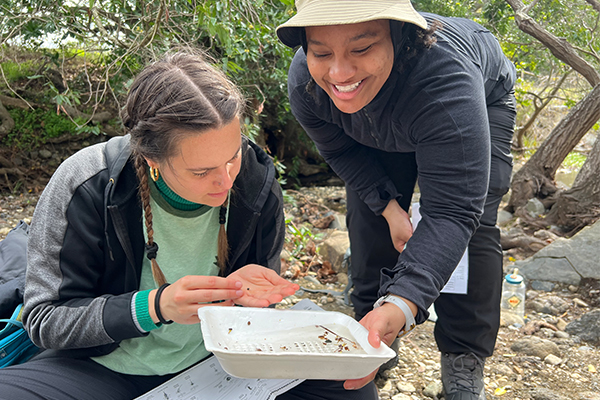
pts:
[434, 106]
[86, 245]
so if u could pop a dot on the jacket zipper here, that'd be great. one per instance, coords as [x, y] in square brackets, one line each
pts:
[370, 123]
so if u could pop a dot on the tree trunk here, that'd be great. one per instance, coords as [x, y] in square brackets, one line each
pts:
[559, 47]
[580, 205]
[6, 121]
[536, 177]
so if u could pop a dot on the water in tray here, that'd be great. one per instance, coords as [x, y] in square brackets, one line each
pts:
[330, 338]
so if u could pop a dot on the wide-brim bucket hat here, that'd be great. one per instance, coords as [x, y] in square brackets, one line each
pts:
[344, 12]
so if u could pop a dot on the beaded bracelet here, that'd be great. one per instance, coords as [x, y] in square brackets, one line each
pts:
[157, 305]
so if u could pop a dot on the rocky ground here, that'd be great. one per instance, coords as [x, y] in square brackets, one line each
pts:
[537, 361]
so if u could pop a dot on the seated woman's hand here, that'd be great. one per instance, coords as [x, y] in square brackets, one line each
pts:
[261, 286]
[180, 301]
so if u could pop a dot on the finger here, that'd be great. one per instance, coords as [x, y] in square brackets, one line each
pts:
[226, 303]
[276, 280]
[354, 384]
[210, 295]
[374, 338]
[194, 282]
[248, 301]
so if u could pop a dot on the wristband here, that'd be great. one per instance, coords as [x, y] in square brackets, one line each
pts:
[408, 316]
[141, 313]
[157, 305]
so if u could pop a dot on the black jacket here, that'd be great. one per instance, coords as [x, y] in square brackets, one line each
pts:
[86, 245]
[435, 106]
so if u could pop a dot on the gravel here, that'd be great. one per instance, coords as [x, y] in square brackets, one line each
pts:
[538, 361]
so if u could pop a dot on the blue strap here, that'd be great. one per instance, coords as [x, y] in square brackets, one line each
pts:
[12, 321]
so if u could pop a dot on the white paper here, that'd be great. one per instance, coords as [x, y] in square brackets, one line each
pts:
[457, 284]
[208, 381]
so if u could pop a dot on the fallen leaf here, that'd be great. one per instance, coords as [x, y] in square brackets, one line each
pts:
[592, 369]
[499, 391]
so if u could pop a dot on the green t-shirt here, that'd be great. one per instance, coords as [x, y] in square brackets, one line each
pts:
[187, 246]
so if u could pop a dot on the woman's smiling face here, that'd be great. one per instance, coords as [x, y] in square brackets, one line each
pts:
[350, 62]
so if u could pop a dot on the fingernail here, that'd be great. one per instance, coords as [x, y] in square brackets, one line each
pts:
[238, 284]
[239, 293]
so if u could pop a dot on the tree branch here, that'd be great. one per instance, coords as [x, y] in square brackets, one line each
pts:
[559, 47]
[595, 4]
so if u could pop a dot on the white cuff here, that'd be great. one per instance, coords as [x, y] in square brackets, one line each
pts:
[408, 316]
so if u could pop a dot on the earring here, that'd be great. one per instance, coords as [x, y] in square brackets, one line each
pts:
[154, 173]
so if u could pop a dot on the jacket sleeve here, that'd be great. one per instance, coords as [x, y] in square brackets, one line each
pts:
[453, 156]
[64, 307]
[442, 112]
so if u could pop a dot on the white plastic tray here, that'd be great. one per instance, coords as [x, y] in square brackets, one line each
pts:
[289, 344]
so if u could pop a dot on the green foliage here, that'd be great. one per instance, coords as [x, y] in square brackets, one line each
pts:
[35, 126]
[14, 71]
[299, 237]
[122, 37]
[574, 160]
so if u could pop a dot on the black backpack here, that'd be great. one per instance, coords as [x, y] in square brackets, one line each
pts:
[15, 345]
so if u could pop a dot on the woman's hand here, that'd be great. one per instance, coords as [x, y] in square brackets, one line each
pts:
[180, 301]
[261, 286]
[401, 228]
[383, 324]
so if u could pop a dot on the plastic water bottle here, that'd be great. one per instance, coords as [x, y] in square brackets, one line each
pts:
[513, 299]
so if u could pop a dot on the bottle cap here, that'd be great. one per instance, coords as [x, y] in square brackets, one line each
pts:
[514, 278]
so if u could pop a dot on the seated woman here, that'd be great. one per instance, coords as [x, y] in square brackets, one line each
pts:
[97, 294]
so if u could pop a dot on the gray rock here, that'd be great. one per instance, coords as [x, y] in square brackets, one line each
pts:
[531, 294]
[587, 327]
[588, 396]
[333, 249]
[561, 335]
[546, 394]
[543, 286]
[573, 288]
[552, 305]
[566, 260]
[339, 222]
[405, 387]
[535, 346]
[545, 235]
[552, 359]
[504, 217]
[45, 153]
[285, 255]
[433, 390]
[535, 207]
[342, 278]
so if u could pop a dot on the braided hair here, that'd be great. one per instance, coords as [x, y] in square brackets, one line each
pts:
[170, 100]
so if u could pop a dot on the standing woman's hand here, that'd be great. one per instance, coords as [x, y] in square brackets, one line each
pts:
[401, 228]
[262, 286]
[383, 324]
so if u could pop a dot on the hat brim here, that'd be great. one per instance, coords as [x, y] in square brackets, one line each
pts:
[347, 12]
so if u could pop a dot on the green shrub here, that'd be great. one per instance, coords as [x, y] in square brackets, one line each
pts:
[35, 126]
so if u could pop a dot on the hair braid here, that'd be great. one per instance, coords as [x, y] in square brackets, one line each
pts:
[223, 244]
[141, 169]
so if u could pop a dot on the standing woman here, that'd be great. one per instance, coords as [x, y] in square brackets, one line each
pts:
[183, 199]
[391, 96]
